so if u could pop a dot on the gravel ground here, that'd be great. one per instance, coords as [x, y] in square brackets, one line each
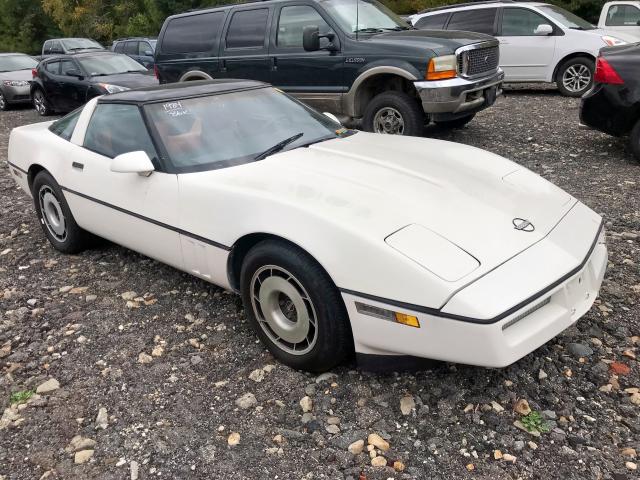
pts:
[160, 383]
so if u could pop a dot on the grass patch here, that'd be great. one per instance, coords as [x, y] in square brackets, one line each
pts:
[534, 422]
[21, 397]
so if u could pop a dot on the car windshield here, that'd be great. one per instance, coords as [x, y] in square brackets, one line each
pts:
[11, 63]
[565, 18]
[363, 16]
[81, 44]
[109, 65]
[218, 131]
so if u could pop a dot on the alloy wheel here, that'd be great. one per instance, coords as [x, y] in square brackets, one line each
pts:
[576, 78]
[52, 214]
[284, 310]
[3, 102]
[39, 102]
[388, 120]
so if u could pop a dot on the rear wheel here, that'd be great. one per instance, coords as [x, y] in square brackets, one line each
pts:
[394, 113]
[457, 123]
[575, 76]
[635, 141]
[40, 103]
[55, 216]
[294, 307]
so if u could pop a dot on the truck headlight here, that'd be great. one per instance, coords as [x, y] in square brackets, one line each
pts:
[440, 68]
[15, 83]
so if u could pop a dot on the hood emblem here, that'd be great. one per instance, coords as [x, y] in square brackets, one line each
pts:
[523, 225]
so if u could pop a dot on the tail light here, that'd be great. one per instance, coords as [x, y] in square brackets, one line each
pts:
[605, 73]
[156, 72]
[34, 73]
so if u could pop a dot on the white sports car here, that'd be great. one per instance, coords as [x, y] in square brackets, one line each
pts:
[337, 240]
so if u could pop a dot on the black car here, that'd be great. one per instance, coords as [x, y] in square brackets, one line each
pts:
[353, 58]
[613, 105]
[64, 82]
[141, 49]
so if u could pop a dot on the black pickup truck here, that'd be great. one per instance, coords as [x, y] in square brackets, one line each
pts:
[353, 58]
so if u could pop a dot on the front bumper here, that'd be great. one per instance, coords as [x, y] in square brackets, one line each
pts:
[495, 342]
[446, 99]
[17, 94]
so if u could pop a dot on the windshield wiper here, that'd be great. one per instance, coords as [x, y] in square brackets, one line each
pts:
[369, 30]
[398, 29]
[278, 146]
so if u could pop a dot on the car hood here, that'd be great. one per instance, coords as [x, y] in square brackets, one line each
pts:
[129, 80]
[375, 185]
[442, 42]
[17, 75]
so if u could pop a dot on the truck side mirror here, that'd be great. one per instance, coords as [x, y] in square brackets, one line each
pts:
[311, 38]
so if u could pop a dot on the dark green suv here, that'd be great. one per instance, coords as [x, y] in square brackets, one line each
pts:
[353, 58]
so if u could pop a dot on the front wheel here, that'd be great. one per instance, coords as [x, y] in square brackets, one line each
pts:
[40, 103]
[55, 216]
[294, 307]
[457, 123]
[394, 113]
[575, 76]
[4, 105]
[635, 141]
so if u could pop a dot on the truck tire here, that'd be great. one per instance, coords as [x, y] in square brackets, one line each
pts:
[635, 141]
[394, 113]
[457, 123]
[575, 76]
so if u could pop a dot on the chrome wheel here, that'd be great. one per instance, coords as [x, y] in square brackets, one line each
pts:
[388, 120]
[576, 78]
[3, 102]
[39, 102]
[284, 310]
[51, 212]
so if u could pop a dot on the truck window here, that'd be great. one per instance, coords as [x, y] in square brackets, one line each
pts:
[293, 20]
[247, 28]
[432, 22]
[623, 16]
[478, 20]
[131, 48]
[520, 22]
[193, 33]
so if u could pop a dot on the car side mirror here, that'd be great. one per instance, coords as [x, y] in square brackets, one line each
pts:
[133, 162]
[332, 117]
[544, 29]
[311, 39]
[148, 53]
[74, 73]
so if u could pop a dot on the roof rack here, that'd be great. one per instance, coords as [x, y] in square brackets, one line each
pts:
[464, 4]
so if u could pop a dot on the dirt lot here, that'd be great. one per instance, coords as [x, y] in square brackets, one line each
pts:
[170, 413]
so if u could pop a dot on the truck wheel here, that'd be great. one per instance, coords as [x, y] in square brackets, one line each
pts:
[635, 141]
[575, 76]
[294, 307]
[457, 123]
[394, 113]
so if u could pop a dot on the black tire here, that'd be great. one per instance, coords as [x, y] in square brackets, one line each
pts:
[4, 105]
[634, 140]
[408, 108]
[333, 340]
[40, 103]
[75, 239]
[579, 65]
[457, 123]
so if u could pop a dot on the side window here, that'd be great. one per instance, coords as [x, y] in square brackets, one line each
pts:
[66, 125]
[520, 22]
[119, 48]
[478, 20]
[143, 48]
[193, 33]
[52, 67]
[46, 48]
[623, 16]
[131, 48]
[435, 22]
[115, 129]
[56, 47]
[67, 66]
[247, 28]
[293, 20]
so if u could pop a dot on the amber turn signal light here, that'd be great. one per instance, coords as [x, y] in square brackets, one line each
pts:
[441, 68]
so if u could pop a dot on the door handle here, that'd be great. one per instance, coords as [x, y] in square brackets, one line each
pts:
[274, 64]
[79, 166]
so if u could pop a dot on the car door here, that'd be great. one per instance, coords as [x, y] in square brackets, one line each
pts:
[315, 77]
[138, 212]
[72, 84]
[131, 49]
[145, 54]
[49, 75]
[245, 46]
[525, 54]
[624, 18]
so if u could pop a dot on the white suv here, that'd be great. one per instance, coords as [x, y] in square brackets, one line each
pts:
[539, 42]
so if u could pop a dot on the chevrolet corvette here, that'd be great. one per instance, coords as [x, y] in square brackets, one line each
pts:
[337, 240]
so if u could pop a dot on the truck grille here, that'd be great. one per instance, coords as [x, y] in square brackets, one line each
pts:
[472, 63]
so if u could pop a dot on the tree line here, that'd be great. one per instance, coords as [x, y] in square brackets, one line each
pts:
[26, 24]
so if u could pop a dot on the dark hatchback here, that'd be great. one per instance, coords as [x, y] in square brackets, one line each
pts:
[613, 105]
[65, 82]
